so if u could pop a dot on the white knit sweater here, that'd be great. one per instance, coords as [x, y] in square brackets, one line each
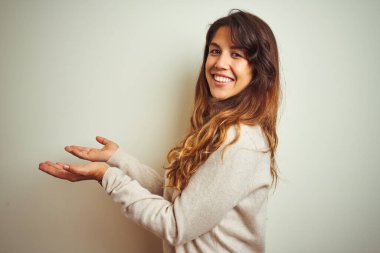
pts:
[222, 209]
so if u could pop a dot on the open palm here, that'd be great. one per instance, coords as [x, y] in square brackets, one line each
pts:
[74, 173]
[94, 154]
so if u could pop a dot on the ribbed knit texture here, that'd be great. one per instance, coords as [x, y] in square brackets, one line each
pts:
[222, 209]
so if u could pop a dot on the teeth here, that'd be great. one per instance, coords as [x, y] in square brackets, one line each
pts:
[222, 79]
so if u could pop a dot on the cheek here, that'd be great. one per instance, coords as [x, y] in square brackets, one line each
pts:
[208, 65]
[208, 68]
[246, 73]
[249, 76]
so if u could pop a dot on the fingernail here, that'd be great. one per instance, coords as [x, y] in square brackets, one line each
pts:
[65, 166]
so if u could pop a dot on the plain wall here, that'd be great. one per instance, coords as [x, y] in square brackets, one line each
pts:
[126, 70]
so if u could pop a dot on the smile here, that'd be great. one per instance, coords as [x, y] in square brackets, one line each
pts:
[222, 79]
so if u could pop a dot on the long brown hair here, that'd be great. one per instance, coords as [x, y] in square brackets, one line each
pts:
[257, 104]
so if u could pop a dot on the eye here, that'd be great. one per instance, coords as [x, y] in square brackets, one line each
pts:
[214, 51]
[236, 55]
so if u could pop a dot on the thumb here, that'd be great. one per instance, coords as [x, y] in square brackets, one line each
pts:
[102, 140]
[75, 169]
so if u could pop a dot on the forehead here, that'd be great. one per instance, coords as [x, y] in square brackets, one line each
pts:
[223, 38]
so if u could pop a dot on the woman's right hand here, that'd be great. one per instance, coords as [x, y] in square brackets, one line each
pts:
[93, 154]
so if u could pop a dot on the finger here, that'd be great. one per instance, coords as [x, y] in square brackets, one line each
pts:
[76, 169]
[71, 148]
[58, 171]
[61, 164]
[64, 166]
[58, 166]
[79, 152]
[68, 170]
[102, 140]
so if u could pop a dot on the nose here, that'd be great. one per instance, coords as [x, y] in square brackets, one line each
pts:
[222, 62]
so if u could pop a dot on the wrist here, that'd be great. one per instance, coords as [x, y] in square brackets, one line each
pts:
[100, 173]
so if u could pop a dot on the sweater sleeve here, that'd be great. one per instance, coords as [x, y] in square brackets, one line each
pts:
[146, 176]
[213, 190]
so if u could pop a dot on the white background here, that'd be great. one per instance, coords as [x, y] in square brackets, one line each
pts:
[126, 70]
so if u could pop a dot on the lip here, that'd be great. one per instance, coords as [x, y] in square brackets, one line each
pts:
[218, 74]
[220, 84]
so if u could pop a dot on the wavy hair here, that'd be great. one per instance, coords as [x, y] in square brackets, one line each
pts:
[256, 104]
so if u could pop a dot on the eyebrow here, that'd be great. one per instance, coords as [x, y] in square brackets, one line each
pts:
[233, 47]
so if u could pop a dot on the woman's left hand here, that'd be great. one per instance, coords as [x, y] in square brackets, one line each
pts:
[74, 173]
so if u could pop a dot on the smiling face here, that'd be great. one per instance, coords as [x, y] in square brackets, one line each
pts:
[227, 70]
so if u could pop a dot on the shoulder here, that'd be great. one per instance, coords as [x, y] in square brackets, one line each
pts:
[249, 154]
[250, 137]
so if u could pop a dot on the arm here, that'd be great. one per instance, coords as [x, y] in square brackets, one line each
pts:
[113, 155]
[212, 192]
[146, 176]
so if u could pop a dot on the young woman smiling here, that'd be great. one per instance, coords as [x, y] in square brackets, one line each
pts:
[228, 71]
[213, 196]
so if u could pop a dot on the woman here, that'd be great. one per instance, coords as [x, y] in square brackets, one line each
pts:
[214, 195]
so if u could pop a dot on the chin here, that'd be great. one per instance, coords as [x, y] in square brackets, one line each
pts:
[219, 96]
